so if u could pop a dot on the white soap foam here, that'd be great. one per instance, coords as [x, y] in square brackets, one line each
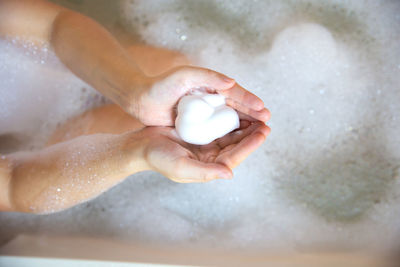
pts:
[328, 175]
[327, 71]
[202, 118]
[37, 93]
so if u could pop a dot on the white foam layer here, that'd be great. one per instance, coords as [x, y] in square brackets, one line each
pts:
[37, 93]
[328, 72]
[202, 118]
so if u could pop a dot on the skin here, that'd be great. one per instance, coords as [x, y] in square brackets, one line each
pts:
[227, 152]
[95, 56]
[86, 156]
[73, 171]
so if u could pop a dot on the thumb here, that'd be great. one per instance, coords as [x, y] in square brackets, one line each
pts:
[192, 171]
[195, 77]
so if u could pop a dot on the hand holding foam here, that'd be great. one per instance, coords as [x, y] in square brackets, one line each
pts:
[202, 118]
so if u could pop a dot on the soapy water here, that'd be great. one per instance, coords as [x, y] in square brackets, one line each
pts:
[38, 93]
[328, 175]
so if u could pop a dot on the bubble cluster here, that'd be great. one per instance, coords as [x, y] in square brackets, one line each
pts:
[327, 71]
[38, 93]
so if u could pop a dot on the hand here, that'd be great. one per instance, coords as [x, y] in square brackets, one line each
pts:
[155, 105]
[181, 162]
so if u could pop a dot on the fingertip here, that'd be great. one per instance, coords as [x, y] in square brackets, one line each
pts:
[268, 114]
[224, 172]
[261, 115]
[258, 138]
[228, 80]
[268, 130]
[263, 130]
[258, 104]
[265, 115]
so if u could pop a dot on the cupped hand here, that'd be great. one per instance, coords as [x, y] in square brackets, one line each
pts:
[156, 103]
[181, 162]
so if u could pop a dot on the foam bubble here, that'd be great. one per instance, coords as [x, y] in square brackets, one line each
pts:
[202, 118]
[320, 67]
[38, 93]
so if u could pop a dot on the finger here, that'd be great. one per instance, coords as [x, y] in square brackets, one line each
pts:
[261, 115]
[236, 136]
[195, 77]
[241, 95]
[245, 117]
[242, 150]
[192, 170]
[244, 124]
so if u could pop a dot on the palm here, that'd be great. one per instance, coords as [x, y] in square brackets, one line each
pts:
[183, 162]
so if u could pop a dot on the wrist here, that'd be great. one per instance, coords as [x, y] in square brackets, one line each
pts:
[138, 86]
[134, 147]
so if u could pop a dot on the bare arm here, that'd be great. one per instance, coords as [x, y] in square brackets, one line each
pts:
[83, 45]
[68, 173]
[95, 56]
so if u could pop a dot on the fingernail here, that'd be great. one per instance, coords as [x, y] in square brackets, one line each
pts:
[266, 115]
[261, 132]
[227, 79]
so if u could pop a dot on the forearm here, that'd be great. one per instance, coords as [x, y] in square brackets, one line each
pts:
[94, 55]
[69, 173]
[82, 44]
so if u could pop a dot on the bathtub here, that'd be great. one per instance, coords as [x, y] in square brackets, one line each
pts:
[324, 190]
[99, 252]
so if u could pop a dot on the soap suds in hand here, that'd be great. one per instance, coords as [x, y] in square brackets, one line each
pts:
[202, 118]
